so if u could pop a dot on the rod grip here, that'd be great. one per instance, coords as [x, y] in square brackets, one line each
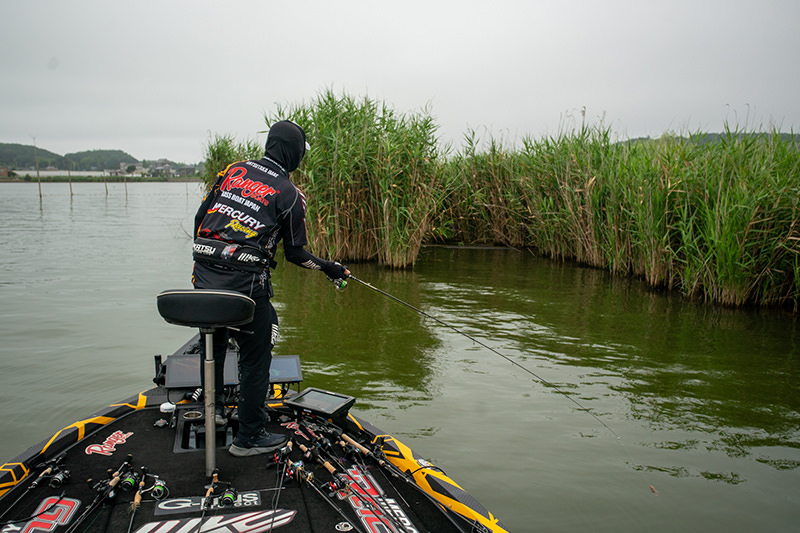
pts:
[361, 448]
[329, 467]
[137, 500]
[349, 440]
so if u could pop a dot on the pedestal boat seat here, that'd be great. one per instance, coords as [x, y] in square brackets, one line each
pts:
[208, 310]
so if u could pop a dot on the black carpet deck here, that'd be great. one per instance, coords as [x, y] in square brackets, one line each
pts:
[299, 507]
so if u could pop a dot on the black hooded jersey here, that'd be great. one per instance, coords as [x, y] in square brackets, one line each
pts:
[253, 204]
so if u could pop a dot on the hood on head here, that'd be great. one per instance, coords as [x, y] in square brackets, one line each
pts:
[286, 144]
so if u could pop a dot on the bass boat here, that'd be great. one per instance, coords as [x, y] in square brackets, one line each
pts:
[156, 463]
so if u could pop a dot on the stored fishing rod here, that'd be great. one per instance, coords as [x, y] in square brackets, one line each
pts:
[296, 470]
[50, 466]
[210, 490]
[106, 490]
[279, 457]
[341, 480]
[476, 341]
[135, 481]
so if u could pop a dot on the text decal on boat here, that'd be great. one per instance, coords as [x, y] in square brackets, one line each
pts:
[109, 445]
[378, 513]
[257, 522]
[195, 503]
[50, 514]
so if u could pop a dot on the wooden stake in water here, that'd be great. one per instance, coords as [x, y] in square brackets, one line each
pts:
[36, 161]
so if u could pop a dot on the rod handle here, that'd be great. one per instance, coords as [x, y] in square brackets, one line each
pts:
[329, 467]
[361, 448]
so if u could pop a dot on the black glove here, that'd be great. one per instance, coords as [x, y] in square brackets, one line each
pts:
[337, 273]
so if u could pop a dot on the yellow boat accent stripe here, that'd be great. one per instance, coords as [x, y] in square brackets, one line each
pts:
[355, 421]
[81, 427]
[141, 402]
[12, 468]
[404, 460]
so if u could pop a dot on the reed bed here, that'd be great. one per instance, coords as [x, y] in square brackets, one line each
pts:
[717, 221]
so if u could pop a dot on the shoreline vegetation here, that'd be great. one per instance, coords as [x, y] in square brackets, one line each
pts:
[716, 220]
[77, 178]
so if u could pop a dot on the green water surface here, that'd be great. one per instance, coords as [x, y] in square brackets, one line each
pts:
[635, 410]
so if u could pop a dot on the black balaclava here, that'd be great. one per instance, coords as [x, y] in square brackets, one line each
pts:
[286, 144]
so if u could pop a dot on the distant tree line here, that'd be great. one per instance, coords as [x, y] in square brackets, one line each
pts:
[702, 139]
[21, 156]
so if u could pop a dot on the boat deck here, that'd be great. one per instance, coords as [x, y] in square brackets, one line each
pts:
[339, 473]
[265, 494]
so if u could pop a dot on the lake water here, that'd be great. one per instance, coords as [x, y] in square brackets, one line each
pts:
[702, 404]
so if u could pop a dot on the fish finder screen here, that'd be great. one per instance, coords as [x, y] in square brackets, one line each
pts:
[322, 402]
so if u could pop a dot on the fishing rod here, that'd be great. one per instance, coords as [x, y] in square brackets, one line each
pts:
[137, 498]
[297, 470]
[53, 465]
[341, 480]
[210, 490]
[279, 458]
[105, 490]
[494, 351]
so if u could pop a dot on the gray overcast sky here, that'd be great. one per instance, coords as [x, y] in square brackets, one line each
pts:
[156, 78]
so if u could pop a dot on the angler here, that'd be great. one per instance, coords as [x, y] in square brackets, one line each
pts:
[281, 219]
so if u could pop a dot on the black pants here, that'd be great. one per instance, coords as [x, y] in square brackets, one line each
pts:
[255, 342]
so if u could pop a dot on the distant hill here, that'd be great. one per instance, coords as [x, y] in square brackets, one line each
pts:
[100, 159]
[21, 156]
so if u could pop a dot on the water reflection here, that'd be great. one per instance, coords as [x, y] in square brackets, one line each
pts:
[726, 379]
[369, 347]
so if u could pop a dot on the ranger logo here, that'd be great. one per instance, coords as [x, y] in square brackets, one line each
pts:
[109, 445]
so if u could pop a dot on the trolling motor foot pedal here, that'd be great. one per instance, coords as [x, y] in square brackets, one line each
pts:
[208, 310]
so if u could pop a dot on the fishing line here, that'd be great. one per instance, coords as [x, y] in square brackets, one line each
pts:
[496, 352]
[515, 363]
